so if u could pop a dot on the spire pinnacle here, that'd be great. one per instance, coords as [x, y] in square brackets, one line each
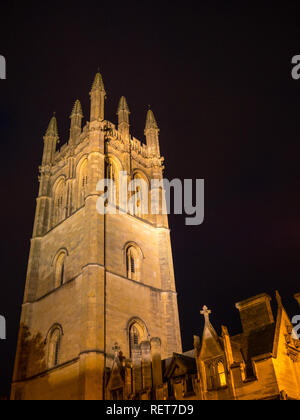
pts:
[98, 83]
[77, 109]
[150, 120]
[123, 106]
[52, 127]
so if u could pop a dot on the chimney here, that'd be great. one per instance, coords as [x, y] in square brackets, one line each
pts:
[297, 297]
[255, 312]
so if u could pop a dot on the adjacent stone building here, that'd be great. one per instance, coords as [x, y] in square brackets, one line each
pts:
[100, 317]
[261, 363]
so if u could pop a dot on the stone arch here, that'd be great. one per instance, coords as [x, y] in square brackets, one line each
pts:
[133, 258]
[140, 193]
[113, 166]
[58, 264]
[81, 181]
[53, 342]
[58, 200]
[137, 332]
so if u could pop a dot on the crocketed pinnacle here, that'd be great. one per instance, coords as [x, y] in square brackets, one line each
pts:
[151, 121]
[123, 106]
[98, 83]
[52, 128]
[77, 110]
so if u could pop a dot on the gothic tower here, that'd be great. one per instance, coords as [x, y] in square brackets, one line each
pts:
[94, 279]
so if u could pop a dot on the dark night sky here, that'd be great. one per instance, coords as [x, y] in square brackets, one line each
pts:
[219, 82]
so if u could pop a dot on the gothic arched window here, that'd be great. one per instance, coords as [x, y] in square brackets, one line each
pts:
[82, 183]
[216, 374]
[110, 173]
[133, 263]
[134, 336]
[60, 269]
[140, 199]
[58, 203]
[137, 332]
[221, 374]
[54, 347]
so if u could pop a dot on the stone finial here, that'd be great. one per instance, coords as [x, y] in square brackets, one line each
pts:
[205, 312]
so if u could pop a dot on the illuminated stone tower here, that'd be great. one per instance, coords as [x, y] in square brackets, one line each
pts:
[93, 280]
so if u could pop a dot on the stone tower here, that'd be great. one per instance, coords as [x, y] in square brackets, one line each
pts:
[93, 279]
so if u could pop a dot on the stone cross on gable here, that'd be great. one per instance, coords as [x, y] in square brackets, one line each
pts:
[206, 312]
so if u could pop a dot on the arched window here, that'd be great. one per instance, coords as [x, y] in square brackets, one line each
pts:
[54, 347]
[111, 175]
[82, 183]
[60, 269]
[137, 333]
[133, 263]
[134, 337]
[216, 374]
[58, 203]
[139, 201]
[221, 374]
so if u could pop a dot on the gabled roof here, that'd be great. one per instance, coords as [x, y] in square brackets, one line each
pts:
[211, 345]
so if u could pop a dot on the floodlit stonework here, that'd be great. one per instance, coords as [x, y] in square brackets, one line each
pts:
[261, 363]
[93, 280]
[100, 317]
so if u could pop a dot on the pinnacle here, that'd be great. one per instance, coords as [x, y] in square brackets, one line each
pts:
[77, 109]
[123, 106]
[151, 121]
[52, 127]
[98, 82]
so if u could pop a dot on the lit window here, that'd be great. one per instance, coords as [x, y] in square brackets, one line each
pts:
[216, 375]
[222, 374]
